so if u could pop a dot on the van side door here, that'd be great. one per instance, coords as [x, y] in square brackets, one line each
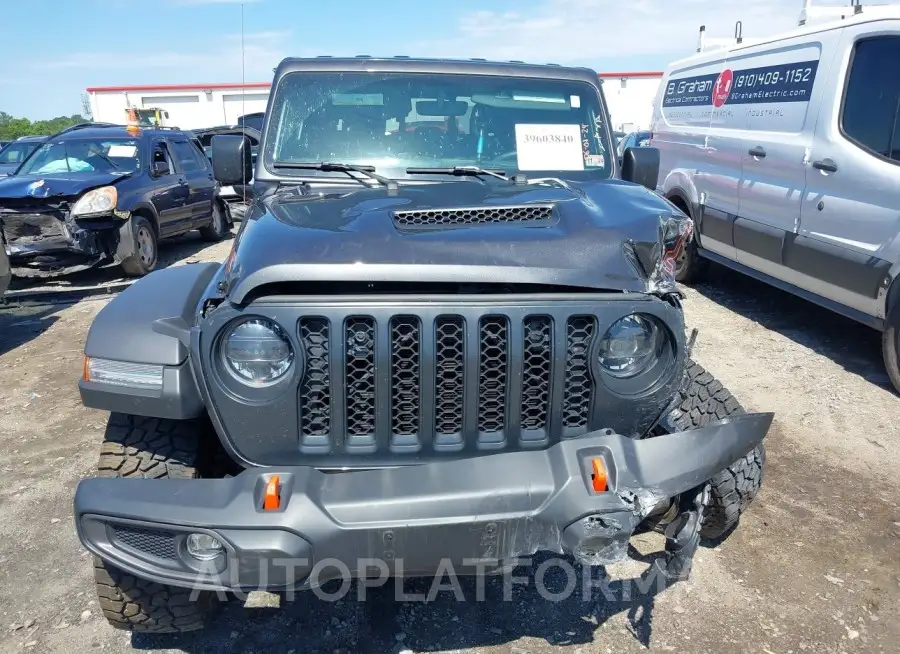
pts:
[850, 215]
[780, 90]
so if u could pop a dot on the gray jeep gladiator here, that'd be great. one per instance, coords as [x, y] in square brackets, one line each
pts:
[448, 332]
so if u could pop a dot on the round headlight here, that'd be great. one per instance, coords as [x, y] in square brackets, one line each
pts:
[258, 352]
[631, 346]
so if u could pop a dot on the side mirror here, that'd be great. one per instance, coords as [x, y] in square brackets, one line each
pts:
[243, 190]
[159, 168]
[231, 159]
[641, 166]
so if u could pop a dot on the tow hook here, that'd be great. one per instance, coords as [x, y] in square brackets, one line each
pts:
[682, 539]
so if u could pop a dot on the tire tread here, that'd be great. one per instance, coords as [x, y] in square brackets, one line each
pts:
[704, 400]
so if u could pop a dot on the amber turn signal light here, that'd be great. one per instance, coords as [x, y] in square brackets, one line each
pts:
[598, 475]
[272, 499]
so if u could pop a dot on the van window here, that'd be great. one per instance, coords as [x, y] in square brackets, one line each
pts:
[872, 98]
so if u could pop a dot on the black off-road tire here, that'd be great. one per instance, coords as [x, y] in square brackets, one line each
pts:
[146, 248]
[704, 400]
[219, 226]
[890, 345]
[150, 448]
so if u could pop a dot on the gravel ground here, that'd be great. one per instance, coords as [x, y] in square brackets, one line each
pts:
[813, 567]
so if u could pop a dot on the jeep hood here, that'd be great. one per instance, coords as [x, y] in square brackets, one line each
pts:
[54, 184]
[606, 235]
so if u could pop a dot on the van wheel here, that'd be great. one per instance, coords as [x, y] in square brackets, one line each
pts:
[146, 248]
[890, 345]
[690, 267]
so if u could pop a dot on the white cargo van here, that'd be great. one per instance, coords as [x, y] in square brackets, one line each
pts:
[786, 152]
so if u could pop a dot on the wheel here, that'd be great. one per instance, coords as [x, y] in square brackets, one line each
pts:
[137, 447]
[704, 400]
[146, 248]
[690, 267]
[890, 345]
[218, 228]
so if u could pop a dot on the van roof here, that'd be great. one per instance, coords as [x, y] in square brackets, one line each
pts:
[869, 14]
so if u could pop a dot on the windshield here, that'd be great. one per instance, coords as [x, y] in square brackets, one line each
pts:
[398, 120]
[15, 152]
[84, 156]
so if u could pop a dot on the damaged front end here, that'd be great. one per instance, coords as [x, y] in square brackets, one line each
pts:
[46, 240]
[656, 260]
[584, 497]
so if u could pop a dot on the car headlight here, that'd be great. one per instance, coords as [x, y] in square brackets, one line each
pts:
[257, 352]
[631, 345]
[100, 200]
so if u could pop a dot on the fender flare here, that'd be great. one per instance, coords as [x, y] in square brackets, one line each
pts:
[149, 323]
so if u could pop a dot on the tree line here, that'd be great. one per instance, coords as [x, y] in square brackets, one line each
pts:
[12, 128]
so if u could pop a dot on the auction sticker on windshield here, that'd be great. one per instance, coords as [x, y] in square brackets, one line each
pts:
[121, 151]
[549, 147]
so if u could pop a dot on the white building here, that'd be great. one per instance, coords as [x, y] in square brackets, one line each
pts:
[630, 98]
[190, 106]
[193, 106]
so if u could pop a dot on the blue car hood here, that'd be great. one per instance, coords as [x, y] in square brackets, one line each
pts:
[58, 185]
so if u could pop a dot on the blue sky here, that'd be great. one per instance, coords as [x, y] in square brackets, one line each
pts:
[54, 49]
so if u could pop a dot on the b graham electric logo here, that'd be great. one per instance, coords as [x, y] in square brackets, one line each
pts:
[722, 88]
[782, 83]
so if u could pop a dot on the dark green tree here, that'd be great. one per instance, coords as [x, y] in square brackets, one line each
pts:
[12, 128]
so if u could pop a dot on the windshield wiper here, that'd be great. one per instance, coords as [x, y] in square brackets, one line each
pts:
[461, 171]
[337, 167]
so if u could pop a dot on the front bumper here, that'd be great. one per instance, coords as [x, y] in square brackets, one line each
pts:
[477, 514]
[53, 243]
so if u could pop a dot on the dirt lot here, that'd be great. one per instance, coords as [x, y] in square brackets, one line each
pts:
[813, 567]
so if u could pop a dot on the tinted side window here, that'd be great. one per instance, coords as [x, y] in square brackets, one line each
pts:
[872, 97]
[160, 155]
[184, 156]
[199, 155]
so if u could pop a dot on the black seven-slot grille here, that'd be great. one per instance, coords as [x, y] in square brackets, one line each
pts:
[432, 383]
[425, 218]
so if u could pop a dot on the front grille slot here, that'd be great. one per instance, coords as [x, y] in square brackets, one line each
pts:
[449, 364]
[406, 356]
[315, 389]
[538, 347]
[447, 383]
[492, 373]
[159, 544]
[431, 218]
[579, 387]
[360, 376]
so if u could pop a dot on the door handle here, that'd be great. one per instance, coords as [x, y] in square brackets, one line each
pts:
[758, 151]
[825, 165]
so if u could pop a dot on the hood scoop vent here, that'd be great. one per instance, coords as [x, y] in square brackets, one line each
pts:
[533, 215]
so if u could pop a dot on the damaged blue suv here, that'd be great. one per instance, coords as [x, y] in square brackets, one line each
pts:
[448, 332]
[98, 193]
